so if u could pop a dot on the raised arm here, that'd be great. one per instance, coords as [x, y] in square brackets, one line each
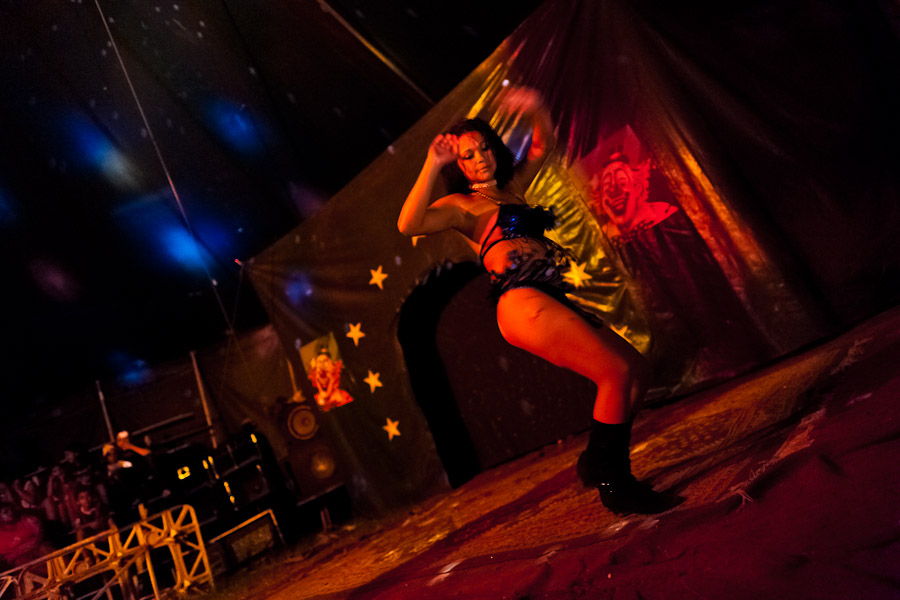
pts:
[418, 216]
[527, 102]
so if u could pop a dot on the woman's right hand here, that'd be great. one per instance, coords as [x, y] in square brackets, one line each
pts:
[419, 216]
[443, 149]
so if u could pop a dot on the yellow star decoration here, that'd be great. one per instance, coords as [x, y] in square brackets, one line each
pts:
[377, 277]
[391, 429]
[356, 333]
[415, 239]
[576, 275]
[373, 381]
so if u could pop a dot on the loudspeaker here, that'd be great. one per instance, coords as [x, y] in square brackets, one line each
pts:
[302, 423]
[311, 462]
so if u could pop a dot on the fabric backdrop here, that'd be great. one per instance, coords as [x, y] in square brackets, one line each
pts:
[726, 179]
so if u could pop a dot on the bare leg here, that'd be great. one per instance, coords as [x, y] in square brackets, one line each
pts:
[540, 324]
[536, 322]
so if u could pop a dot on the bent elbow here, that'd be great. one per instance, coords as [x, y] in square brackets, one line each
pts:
[405, 228]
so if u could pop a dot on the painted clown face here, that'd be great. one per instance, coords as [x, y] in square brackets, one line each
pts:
[617, 193]
[324, 367]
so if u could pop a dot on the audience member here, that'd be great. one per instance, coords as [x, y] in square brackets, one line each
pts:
[30, 493]
[92, 516]
[21, 537]
[61, 492]
[7, 496]
[128, 449]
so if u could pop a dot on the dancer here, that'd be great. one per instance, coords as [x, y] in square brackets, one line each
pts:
[486, 205]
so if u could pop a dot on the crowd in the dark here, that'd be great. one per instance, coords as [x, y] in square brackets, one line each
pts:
[82, 495]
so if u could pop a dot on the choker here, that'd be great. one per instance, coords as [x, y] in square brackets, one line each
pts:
[486, 184]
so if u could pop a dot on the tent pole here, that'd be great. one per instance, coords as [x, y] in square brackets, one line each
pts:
[378, 54]
[203, 401]
[109, 427]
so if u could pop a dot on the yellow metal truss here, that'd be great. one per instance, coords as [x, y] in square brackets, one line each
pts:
[118, 554]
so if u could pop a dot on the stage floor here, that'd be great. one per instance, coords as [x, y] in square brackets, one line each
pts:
[791, 480]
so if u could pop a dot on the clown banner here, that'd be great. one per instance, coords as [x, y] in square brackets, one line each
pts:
[321, 359]
[681, 286]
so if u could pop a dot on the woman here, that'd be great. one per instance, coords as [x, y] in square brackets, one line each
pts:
[487, 206]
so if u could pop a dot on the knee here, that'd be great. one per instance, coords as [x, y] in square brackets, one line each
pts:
[640, 371]
[626, 373]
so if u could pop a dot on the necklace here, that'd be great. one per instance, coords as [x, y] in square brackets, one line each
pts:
[481, 186]
[494, 200]
[499, 202]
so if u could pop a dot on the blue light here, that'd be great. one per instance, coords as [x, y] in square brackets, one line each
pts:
[236, 126]
[214, 236]
[518, 140]
[131, 371]
[155, 223]
[93, 149]
[297, 288]
[8, 213]
[90, 146]
[182, 247]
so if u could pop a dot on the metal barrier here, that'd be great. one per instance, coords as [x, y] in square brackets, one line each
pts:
[116, 557]
[8, 583]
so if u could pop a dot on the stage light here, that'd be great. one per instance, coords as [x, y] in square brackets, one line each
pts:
[132, 371]
[154, 221]
[92, 149]
[8, 213]
[298, 288]
[236, 126]
[54, 280]
[182, 247]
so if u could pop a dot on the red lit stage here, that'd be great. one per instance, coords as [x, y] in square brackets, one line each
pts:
[792, 484]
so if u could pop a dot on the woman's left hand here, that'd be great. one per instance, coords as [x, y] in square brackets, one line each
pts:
[521, 100]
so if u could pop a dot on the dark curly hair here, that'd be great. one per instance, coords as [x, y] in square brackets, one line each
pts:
[455, 180]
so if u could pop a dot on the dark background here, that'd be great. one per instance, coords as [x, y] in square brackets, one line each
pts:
[127, 195]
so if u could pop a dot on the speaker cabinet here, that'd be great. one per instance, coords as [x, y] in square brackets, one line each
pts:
[311, 462]
[246, 484]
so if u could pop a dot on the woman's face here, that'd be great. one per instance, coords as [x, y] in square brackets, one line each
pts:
[475, 158]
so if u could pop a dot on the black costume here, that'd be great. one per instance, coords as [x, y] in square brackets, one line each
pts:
[536, 262]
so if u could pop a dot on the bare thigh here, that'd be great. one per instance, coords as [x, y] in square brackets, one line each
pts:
[535, 321]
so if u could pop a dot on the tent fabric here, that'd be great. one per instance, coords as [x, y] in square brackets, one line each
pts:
[758, 145]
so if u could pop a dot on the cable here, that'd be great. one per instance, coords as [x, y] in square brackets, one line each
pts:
[165, 168]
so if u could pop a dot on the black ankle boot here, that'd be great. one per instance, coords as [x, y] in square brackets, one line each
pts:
[606, 465]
